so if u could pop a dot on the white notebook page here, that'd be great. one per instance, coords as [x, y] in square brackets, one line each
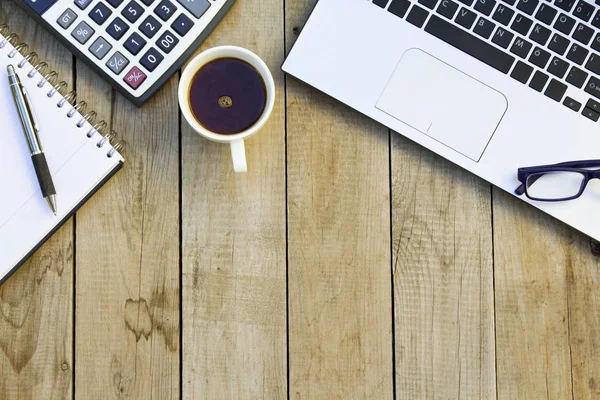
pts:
[76, 163]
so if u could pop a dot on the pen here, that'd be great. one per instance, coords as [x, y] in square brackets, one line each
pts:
[31, 129]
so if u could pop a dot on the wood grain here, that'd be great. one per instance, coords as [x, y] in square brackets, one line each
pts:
[443, 278]
[234, 259]
[127, 291]
[340, 306]
[547, 306]
[36, 303]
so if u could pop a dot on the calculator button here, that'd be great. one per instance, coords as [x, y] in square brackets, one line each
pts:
[100, 13]
[117, 28]
[132, 11]
[165, 10]
[40, 6]
[135, 43]
[182, 25]
[83, 3]
[82, 32]
[147, 2]
[135, 78]
[100, 48]
[115, 3]
[150, 27]
[117, 63]
[67, 19]
[196, 7]
[151, 59]
[167, 42]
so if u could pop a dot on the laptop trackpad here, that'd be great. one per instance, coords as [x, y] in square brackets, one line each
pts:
[443, 103]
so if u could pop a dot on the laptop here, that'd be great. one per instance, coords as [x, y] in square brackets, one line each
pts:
[489, 85]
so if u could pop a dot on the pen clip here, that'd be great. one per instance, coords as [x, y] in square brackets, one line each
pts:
[28, 104]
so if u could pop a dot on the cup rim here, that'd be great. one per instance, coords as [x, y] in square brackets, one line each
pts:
[220, 52]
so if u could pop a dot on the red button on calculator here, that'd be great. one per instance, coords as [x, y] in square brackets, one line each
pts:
[135, 77]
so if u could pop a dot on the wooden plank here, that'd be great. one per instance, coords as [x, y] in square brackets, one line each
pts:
[234, 259]
[127, 291]
[36, 303]
[340, 303]
[443, 278]
[547, 306]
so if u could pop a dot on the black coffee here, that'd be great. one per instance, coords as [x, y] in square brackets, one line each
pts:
[228, 96]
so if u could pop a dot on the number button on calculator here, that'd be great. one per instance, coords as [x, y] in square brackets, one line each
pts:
[196, 7]
[167, 42]
[135, 43]
[100, 48]
[132, 11]
[115, 3]
[117, 28]
[117, 63]
[151, 59]
[100, 13]
[150, 27]
[83, 3]
[165, 10]
[67, 19]
[82, 33]
[182, 25]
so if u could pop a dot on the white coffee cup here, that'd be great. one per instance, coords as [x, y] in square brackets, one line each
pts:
[236, 141]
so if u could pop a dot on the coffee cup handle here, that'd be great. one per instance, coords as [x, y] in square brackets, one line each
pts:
[238, 154]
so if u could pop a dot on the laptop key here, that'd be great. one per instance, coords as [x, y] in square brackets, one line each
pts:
[399, 7]
[485, 6]
[593, 64]
[596, 20]
[591, 114]
[447, 8]
[538, 81]
[521, 24]
[564, 4]
[503, 14]
[417, 16]
[484, 27]
[527, 6]
[583, 10]
[577, 54]
[564, 24]
[596, 42]
[558, 67]
[556, 90]
[546, 14]
[539, 57]
[467, 2]
[465, 18]
[502, 37]
[381, 3]
[572, 104]
[521, 72]
[577, 77]
[559, 44]
[470, 44]
[593, 87]
[511, 2]
[521, 47]
[427, 3]
[583, 33]
[540, 34]
[593, 105]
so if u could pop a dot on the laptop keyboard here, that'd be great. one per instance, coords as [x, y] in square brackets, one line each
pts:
[547, 45]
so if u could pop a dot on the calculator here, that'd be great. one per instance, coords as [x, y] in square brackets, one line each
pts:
[136, 45]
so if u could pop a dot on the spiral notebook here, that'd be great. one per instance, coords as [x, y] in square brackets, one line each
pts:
[81, 155]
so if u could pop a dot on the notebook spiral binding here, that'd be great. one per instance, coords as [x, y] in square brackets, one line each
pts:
[70, 98]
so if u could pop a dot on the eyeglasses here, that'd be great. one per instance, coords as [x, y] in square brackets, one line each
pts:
[557, 182]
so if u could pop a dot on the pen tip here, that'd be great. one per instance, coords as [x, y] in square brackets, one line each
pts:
[52, 203]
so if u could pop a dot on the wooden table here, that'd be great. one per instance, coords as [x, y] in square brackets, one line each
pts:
[348, 263]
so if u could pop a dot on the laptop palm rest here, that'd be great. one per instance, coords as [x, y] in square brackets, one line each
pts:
[443, 103]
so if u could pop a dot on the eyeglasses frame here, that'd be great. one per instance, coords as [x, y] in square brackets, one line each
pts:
[572, 166]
